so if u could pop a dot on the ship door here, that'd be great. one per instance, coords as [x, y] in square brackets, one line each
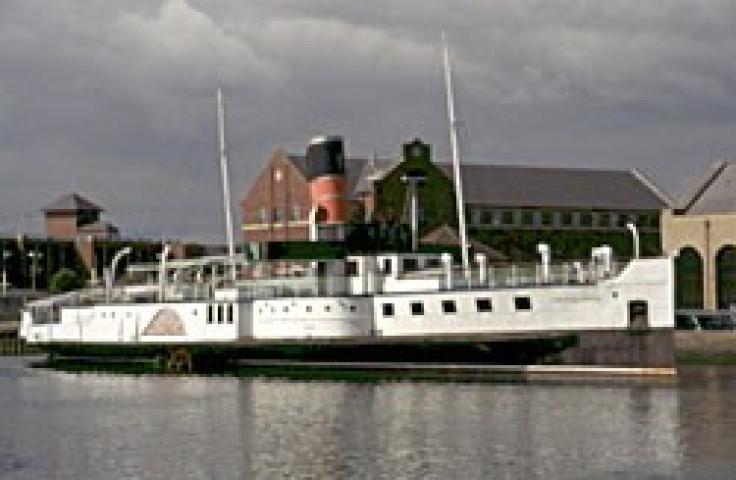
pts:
[638, 315]
[321, 278]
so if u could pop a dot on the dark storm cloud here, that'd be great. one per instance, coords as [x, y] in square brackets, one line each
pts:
[116, 98]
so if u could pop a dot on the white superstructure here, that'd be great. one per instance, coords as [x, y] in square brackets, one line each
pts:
[392, 295]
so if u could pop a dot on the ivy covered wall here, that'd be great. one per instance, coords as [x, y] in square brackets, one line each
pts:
[436, 195]
[521, 245]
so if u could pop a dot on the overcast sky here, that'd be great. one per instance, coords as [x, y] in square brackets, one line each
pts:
[116, 99]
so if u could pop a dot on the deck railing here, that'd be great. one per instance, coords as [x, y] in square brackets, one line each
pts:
[283, 281]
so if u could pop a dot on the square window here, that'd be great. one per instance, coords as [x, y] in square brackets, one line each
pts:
[417, 308]
[507, 217]
[566, 219]
[586, 219]
[484, 304]
[522, 303]
[353, 308]
[448, 306]
[309, 308]
[296, 212]
[327, 308]
[527, 217]
[547, 218]
[486, 217]
[388, 309]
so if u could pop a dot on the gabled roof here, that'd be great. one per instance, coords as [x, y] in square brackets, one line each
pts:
[506, 185]
[354, 168]
[71, 202]
[372, 171]
[446, 235]
[715, 192]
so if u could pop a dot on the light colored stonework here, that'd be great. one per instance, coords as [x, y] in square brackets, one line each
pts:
[707, 234]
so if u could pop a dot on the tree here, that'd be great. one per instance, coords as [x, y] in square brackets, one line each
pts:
[65, 280]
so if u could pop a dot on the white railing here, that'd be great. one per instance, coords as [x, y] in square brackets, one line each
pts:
[296, 283]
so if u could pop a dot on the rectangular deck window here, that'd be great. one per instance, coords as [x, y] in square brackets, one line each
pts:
[410, 265]
[483, 304]
[417, 308]
[220, 315]
[448, 306]
[230, 313]
[388, 309]
[522, 304]
[351, 268]
[209, 314]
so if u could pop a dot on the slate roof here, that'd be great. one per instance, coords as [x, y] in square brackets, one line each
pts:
[447, 235]
[714, 193]
[71, 202]
[372, 170]
[506, 185]
[99, 226]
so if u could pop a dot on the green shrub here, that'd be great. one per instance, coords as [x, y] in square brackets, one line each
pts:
[65, 280]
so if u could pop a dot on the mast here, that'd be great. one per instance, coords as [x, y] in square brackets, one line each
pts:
[225, 184]
[455, 147]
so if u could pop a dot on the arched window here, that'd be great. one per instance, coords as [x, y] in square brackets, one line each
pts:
[726, 276]
[689, 279]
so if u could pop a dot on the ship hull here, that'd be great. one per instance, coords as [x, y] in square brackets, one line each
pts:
[652, 348]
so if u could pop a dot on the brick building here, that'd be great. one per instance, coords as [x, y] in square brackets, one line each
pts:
[72, 216]
[291, 187]
[509, 208]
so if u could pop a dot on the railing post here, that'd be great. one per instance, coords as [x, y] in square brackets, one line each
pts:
[482, 268]
[447, 265]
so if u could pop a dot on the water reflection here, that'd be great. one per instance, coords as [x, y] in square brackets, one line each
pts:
[106, 426]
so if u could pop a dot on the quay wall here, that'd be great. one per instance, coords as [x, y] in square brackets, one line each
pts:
[706, 342]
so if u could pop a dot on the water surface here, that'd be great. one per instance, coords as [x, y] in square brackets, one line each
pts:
[102, 426]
